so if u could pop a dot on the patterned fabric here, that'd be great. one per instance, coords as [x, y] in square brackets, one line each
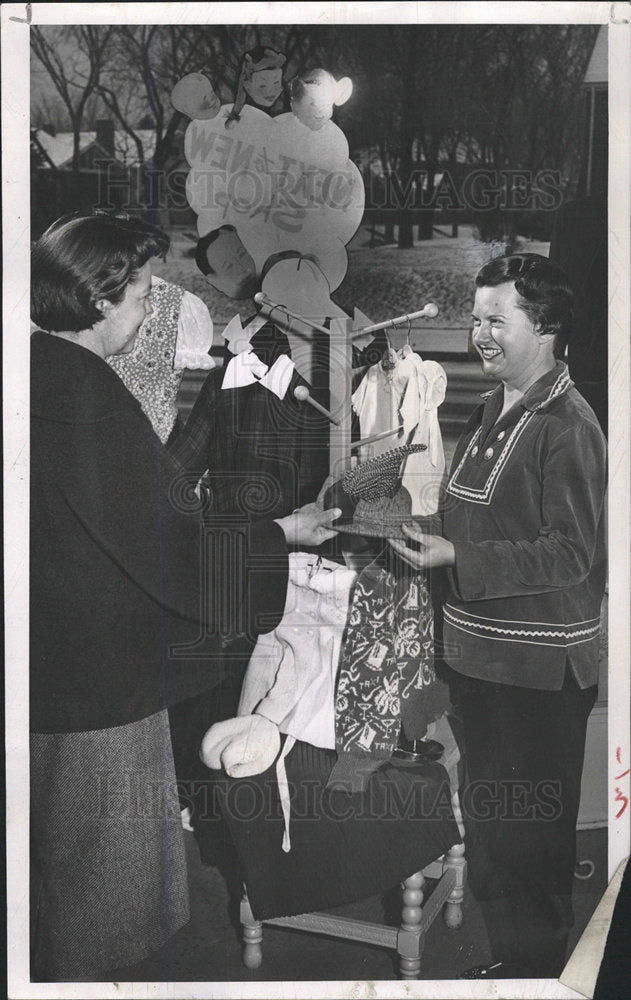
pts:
[387, 654]
[147, 370]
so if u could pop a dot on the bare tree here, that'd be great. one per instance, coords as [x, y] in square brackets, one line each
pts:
[504, 96]
[73, 57]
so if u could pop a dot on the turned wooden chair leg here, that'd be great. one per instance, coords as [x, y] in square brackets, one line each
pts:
[455, 859]
[411, 941]
[252, 936]
[453, 907]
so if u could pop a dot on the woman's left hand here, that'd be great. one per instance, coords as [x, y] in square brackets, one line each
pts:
[433, 550]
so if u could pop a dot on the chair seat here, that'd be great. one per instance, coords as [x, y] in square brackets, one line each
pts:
[408, 940]
[448, 868]
[344, 846]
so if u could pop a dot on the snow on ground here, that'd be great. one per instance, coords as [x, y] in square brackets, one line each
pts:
[382, 281]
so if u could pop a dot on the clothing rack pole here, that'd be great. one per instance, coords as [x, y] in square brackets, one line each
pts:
[376, 437]
[340, 362]
[430, 311]
[262, 300]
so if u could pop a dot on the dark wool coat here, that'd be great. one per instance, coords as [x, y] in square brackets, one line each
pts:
[124, 582]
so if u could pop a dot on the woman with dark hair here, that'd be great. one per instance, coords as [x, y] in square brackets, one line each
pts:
[260, 82]
[524, 543]
[118, 559]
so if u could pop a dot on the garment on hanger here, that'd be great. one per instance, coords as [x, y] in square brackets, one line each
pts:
[262, 452]
[291, 676]
[387, 657]
[377, 402]
[408, 397]
[177, 335]
[424, 392]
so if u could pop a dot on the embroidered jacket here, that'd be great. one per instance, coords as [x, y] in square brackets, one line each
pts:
[525, 512]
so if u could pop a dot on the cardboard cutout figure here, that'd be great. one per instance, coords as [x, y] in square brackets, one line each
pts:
[260, 81]
[194, 96]
[313, 95]
[226, 264]
[284, 184]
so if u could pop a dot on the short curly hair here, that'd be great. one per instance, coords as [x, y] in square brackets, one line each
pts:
[544, 289]
[81, 259]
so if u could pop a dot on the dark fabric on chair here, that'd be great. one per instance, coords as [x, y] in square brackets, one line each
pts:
[344, 847]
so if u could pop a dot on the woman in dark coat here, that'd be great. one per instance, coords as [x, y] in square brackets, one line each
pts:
[121, 623]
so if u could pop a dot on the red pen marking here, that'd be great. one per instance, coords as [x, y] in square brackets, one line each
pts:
[621, 798]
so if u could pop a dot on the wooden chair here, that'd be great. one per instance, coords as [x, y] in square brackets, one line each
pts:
[408, 940]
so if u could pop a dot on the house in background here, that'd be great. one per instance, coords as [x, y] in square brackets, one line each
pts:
[104, 145]
[115, 172]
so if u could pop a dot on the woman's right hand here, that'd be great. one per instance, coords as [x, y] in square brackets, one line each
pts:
[309, 525]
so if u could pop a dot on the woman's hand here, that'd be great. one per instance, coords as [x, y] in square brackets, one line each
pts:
[309, 525]
[433, 549]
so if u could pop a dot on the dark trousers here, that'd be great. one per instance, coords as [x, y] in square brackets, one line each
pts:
[524, 754]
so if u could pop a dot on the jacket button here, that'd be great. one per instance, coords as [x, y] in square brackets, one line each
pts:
[474, 451]
[501, 435]
[488, 453]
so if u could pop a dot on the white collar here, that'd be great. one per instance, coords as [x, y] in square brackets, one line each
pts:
[246, 369]
[238, 337]
[278, 377]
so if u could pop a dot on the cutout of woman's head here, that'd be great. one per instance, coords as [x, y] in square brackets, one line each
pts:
[260, 80]
[313, 94]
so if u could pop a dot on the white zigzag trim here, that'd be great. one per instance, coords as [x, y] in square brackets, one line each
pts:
[517, 621]
[563, 383]
[524, 635]
[524, 642]
[485, 494]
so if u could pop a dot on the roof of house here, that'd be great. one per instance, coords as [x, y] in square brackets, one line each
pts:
[59, 147]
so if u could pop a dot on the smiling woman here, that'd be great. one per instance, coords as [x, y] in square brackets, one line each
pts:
[517, 320]
[524, 537]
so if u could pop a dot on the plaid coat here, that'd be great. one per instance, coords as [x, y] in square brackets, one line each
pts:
[261, 456]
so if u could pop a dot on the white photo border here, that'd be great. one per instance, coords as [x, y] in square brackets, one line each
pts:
[16, 324]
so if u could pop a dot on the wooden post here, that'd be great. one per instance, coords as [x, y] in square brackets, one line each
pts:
[412, 938]
[340, 381]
